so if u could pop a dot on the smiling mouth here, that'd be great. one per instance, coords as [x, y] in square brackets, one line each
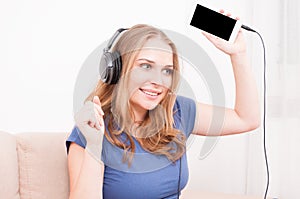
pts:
[151, 92]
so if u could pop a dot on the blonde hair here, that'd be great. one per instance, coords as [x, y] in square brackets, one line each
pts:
[115, 103]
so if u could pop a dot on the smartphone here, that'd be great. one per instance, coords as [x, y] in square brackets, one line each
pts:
[215, 23]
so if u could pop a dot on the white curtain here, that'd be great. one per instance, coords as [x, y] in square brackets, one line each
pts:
[279, 24]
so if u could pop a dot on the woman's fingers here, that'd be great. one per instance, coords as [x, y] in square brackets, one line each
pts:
[97, 104]
[222, 11]
[99, 120]
[99, 112]
[92, 114]
[98, 109]
[96, 100]
[95, 122]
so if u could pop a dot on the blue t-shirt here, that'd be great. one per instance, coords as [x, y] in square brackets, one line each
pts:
[149, 176]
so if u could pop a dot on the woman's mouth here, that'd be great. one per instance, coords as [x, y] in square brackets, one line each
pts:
[150, 92]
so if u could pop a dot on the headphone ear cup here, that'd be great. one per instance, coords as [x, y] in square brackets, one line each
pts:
[117, 67]
[110, 67]
[105, 64]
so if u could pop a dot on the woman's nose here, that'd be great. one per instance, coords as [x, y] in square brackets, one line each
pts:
[156, 77]
[159, 78]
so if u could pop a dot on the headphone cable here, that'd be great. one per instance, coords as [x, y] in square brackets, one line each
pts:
[264, 108]
[179, 178]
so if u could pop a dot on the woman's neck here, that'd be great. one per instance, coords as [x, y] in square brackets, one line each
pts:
[139, 114]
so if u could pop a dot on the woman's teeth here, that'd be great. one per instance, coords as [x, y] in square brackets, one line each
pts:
[150, 93]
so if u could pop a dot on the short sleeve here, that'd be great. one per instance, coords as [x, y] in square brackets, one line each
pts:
[77, 137]
[185, 114]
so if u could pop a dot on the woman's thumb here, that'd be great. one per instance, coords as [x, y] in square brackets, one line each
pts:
[96, 100]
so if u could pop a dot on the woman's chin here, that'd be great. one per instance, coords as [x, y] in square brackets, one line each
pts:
[149, 106]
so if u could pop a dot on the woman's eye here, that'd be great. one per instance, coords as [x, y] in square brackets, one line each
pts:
[168, 71]
[145, 66]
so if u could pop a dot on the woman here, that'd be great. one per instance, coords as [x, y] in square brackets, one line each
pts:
[146, 125]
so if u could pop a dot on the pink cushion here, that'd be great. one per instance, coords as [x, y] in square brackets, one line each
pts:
[9, 176]
[43, 165]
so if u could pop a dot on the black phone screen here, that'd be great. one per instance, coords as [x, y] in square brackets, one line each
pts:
[213, 22]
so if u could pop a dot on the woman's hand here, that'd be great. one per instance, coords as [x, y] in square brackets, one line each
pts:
[89, 120]
[239, 45]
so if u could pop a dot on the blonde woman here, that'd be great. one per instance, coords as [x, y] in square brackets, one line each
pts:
[146, 124]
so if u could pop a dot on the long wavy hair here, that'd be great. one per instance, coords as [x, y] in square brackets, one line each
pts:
[156, 134]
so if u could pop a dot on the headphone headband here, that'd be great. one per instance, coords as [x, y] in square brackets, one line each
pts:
[113, 38]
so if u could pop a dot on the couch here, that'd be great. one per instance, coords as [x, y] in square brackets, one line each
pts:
[34, 166]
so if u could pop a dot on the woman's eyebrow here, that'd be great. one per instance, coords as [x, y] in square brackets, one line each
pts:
[144, 59]
[153, 62]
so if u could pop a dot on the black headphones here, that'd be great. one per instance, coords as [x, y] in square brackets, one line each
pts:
[111, 63]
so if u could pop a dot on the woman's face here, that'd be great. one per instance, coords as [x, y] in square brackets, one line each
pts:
[151, 75]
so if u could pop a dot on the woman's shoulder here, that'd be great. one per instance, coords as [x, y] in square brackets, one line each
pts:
[182, 102]
[184, 114]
